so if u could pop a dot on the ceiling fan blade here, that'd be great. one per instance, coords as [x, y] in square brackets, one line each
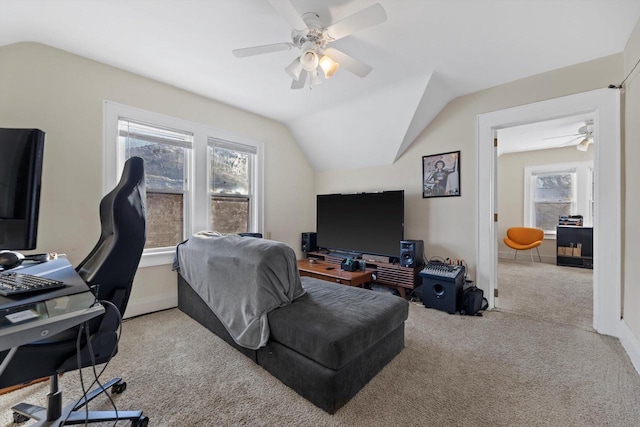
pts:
[289, 13]
[571, 141]
[358, 68]
[368, 17]
[259, 50]
[299, 84]
[561, 136]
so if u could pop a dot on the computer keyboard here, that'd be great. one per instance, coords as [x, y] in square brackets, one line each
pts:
[20, 283]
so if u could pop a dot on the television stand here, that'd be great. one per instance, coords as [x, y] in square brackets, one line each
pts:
[387, 273]
[332, 273]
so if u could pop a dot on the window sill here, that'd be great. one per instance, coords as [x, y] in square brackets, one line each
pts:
[158, 257]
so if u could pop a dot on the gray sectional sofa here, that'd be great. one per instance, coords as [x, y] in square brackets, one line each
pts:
[325, 344]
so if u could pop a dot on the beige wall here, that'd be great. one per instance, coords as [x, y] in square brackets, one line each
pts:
[449, 225]
[631, 193]
[62, 94]
[511, 192]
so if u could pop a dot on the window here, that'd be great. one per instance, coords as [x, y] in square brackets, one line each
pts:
[197, 177]
[558, 189]
[166, 156]
[231, 188]
[554, 195]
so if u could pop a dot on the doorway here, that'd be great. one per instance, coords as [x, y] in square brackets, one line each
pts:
[604, 104]
[544, 170]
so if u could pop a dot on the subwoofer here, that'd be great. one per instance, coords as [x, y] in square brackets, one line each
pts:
[411, 253]
[309, 242]
[443, 293]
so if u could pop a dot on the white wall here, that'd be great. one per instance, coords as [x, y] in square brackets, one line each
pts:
[631, 193]
[449, 225]
[62, 94]
[511, 193]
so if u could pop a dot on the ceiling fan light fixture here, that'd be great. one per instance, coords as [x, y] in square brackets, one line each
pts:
[312, 37]
[294, 69]
[329, 66]
[314, 77]
[583, 145]
[309, 58]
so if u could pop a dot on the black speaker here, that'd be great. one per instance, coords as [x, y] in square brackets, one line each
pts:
[411, 253]
[309, 242]
[443, 293]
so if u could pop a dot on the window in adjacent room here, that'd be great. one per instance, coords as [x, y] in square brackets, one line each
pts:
[557, 189]
[197, 177]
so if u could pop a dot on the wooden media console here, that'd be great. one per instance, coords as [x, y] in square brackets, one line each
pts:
[386, 273]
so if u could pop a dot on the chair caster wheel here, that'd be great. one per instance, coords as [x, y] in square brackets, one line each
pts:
[19, 418]
[119, 387]
[141, 422]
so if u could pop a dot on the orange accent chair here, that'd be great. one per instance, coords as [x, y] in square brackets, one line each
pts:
[524, 238]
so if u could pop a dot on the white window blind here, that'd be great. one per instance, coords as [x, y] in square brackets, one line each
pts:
[235, 146]
[155, 134]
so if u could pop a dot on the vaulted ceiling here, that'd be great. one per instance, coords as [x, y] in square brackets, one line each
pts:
[425, 54]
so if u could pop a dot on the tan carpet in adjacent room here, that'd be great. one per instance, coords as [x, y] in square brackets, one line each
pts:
[497, 370]
[546, 292]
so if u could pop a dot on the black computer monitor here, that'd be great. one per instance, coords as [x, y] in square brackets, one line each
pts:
[21, 155]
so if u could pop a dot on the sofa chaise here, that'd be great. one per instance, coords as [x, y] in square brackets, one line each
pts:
[326, 341]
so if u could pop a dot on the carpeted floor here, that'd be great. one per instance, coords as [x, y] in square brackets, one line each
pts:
[546, 292]
[497, 370]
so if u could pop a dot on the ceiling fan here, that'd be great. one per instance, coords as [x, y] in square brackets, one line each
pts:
[584, 135]
[313, 41]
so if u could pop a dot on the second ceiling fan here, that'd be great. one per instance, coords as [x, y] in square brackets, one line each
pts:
[584, 137]
[313, 40]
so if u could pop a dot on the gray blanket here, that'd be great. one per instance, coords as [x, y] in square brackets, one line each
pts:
[241, 279]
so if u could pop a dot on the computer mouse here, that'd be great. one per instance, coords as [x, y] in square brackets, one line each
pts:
[330, 268]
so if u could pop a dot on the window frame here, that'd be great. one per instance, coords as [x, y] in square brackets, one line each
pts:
[196, 215]
[583, 192]
[254, 182]
[187, 189]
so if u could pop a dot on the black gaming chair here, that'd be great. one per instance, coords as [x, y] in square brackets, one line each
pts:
[109, 269]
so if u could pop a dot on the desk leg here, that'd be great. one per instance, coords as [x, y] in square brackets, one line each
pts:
[7, 359]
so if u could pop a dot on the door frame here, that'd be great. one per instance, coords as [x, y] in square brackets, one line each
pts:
[607, 265]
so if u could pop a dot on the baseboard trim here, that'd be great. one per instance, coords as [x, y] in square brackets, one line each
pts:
[630, 343]
[150, 305]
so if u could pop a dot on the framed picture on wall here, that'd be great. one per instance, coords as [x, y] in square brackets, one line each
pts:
[441, 175]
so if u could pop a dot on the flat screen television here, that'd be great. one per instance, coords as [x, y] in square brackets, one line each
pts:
[367, 223]
[21, 152]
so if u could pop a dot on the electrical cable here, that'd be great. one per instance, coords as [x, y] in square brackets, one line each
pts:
[113, 353]
[93, 364]
[625, 79]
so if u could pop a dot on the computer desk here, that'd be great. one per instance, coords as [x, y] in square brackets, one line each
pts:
[31, 317]
[46, 314]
